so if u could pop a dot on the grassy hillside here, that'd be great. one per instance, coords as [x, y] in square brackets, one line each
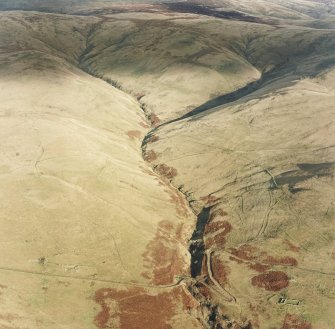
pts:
[167, 165]
[264, 166]
[261, 162]
[83, 217]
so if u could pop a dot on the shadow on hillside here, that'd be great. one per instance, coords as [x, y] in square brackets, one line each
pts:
[286, 75]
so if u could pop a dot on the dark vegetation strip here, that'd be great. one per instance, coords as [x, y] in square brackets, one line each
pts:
[197, 246]
[193, 8]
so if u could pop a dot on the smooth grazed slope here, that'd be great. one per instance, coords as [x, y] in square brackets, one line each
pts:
[82, 214]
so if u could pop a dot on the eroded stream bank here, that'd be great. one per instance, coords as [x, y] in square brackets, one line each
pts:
[213, 301]
[202, 284]
[206, 306]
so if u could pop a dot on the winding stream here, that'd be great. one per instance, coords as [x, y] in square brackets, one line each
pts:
[197, 246]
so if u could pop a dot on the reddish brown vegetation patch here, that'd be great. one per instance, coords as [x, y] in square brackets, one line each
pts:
[249, 254]
[204, 291]
[292, 321]
[287, 261]
[220, 271]
[272, 281]
[166, 171]
[213, 227]
[178, 200]
[153, 139]
[134, 134]
[218, 241]
[292, 246]
[259, 267]
[245, 252]
[179, 231]
[163, 256]
[189, 302]
[135, 308]
[150, 156]
[154, 119]
[102, 318]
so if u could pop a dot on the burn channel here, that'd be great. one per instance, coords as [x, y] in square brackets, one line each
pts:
[197, 246]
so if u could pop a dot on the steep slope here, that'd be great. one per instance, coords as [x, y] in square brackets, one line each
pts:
[268, 183]
[155, 56]
[84, 222]
[257, 166]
